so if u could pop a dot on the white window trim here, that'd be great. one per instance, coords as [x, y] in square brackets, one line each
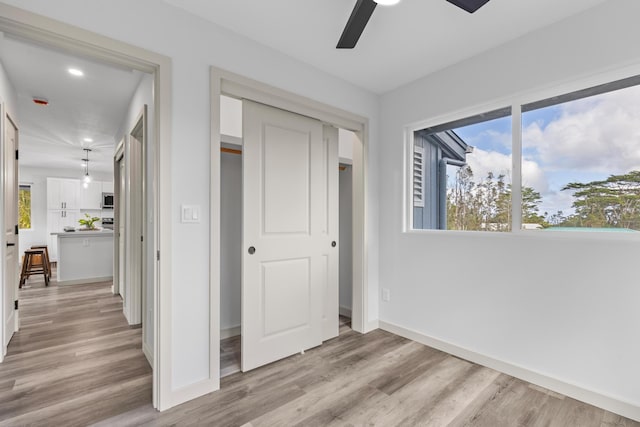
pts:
[516, 101]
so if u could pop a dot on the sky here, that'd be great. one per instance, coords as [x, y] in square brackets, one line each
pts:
[578, 141]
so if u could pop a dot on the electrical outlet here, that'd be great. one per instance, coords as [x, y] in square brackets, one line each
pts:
[386, 295]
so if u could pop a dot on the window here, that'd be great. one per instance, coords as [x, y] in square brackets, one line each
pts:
[461, 173]
[583, 152]
[24, 206]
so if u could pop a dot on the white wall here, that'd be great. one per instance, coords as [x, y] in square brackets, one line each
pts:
[566, 306]
[346, 240]
[193, 45]
[8, 92]
[37, 178]
[230, 240]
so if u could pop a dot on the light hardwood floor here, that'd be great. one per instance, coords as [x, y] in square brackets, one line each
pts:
[76, 362]
[378, 379]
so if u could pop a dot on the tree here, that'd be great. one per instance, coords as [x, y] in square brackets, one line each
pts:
[486, 205]
[613, 202]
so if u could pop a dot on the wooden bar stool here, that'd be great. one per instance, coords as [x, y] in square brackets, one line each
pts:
[46, 256]
[34, 263]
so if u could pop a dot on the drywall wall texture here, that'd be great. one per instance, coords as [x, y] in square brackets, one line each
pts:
[230, 240]
[563, 306]
[8, 94]
[193, 45]
[346, 240]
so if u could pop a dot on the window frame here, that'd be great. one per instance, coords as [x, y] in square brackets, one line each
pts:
[515, 101]
[409, 143]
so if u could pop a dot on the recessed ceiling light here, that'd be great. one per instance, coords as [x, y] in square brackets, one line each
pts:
[387, 2]
[88, 140]
[75, 72]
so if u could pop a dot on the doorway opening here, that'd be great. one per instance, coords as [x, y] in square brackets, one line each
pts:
[231, 231]
[56, 38]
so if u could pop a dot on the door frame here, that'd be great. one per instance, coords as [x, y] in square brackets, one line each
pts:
[119, 154]
[48, 32]
[6, 117]
[236, 86]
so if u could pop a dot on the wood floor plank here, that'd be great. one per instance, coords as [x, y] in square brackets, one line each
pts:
[72, 362]
[76, 362]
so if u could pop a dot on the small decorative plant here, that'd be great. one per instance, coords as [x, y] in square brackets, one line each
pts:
[88, 221]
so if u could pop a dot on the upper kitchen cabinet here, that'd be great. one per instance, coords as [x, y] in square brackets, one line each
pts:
[107, 187]
[63, 193]
[91, 197]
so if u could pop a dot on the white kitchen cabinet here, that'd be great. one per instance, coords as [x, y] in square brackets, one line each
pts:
[91, 197]
[107, 187]
[63, 193]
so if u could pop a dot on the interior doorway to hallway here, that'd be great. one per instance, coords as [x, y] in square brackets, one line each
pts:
[57, 37]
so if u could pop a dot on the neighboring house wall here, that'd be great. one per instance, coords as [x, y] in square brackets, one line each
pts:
[193, 45]
[564, 306]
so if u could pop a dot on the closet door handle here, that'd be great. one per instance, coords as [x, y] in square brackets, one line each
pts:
[252, 250]
[333, 244]
[10, 244]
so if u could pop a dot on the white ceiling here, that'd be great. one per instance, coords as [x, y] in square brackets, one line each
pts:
[93, 106]
[400, 44]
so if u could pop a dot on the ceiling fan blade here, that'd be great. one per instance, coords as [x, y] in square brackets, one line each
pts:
[355, 26]
[469, 5]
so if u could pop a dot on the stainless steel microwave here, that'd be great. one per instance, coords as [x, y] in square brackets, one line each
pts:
[107, 200]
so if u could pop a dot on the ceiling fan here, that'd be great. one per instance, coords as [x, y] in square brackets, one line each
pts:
[364, 9]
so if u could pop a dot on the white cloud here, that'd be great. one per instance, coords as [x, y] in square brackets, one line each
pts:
[482, 162]
[598, 134]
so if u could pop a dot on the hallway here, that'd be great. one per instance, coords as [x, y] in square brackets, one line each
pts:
[75, 359]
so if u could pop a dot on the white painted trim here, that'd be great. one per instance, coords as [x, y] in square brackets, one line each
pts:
[148, 353]
[345, 311]
[230, 332]
[85, 281]
[601, 400]
[49, 32]
[234, 85]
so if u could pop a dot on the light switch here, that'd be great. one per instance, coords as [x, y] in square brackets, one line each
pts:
[190, 213]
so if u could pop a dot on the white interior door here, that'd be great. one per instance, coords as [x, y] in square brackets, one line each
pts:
[286, 241]
[10, 225]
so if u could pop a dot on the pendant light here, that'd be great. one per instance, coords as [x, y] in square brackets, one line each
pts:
[86, 178]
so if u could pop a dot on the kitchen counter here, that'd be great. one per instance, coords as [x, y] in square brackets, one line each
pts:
[84, 256]
[65, 234]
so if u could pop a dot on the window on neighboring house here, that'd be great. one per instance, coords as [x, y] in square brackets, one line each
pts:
[585, 151]
[24, 206]
[461, 174]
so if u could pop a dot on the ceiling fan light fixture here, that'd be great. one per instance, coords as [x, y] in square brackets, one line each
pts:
[387, 2]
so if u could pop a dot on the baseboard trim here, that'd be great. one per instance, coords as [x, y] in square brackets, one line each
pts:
[191, 392]
[372, 325]
[230, 332]
[85, 281]
[612, 404]
[345, 311]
